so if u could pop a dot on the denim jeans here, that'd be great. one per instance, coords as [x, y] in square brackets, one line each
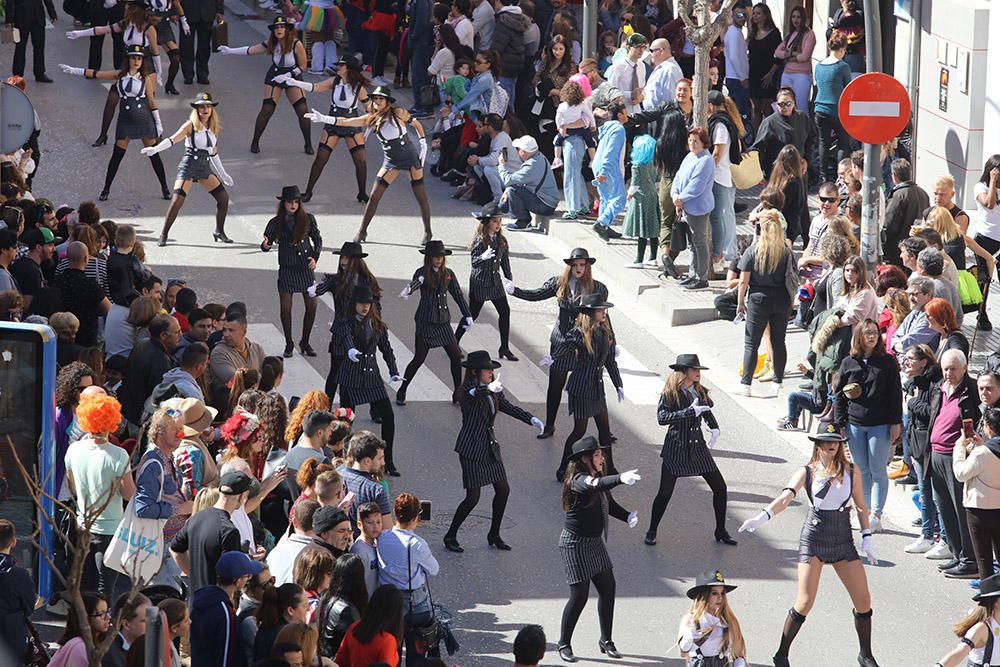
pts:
[802, 85]
[522, 202]
[509, 83]
[906, 441]
[574, 189]
[420, 60]
[799, 401]
[834, 144]
[415, 615]
[96, 575]
[612, 193]
[492, 176]
[870, 452]
[928, 510]
[723, 220]
[741, 96]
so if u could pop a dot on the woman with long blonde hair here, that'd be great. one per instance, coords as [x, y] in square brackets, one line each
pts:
[763, 298]
[709, 633]
[683, 405]
[590, 348]
[832, 484]
[201, 164]
[978, 631]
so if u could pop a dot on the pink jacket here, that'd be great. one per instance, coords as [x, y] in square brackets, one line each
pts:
[801, 62]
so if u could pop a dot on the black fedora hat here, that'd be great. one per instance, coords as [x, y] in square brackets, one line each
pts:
[383, 91]
[480, 360]
[685, 361]
[281, 21]
[829, 436]
[708, 580]
[585, 445]
[988, 588]
[435, 248]
[488, 212]
[350, 62]
[290, 193]
[362, 294]
[580, 253]
[203, 99]
[135, 50]
[350, 249]
[593, 302]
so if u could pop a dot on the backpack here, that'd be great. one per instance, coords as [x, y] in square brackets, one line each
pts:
[499, 100]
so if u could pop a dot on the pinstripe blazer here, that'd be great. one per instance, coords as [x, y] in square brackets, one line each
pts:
[476, 437]
[347, 334]
[684, 428]
[567, 307]
[587, 378]
[342, 304]
[433, 306]
[485, 276]
[587, 516]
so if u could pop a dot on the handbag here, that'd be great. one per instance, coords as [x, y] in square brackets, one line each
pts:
[220, 35]
[429, 636]
[747, 173]
[969, 291]
[792, 283]
[137, 547]
[430, 96]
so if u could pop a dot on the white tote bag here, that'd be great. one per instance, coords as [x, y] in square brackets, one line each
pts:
[137, 547]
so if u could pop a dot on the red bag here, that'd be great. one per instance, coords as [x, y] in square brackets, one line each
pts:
[382, 23]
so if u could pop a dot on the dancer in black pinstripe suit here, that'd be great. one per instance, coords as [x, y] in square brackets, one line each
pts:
[478, 450]
[359, 338]
[490, 257]
[435, 281]
[576, 280]
[587, 501]
[590, 345]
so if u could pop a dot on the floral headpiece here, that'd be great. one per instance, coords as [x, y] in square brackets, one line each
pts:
[240, 427]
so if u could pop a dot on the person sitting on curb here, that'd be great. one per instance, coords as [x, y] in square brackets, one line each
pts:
[531, 188]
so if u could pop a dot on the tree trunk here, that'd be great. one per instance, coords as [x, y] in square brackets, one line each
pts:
[702, 32]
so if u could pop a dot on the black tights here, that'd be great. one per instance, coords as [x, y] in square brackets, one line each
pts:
[666, 490]
[501, 491]
[110, 104]
[603, 436]
[383, 408]
[553, 397]
[267, 108]
[285, 303]
[381, 185]
[503, 314]
[221, 208]
[323, 153]
[175, 65]
[420, 354]
[301, 107]
[331, 378]
[604, 582]
[116, 159]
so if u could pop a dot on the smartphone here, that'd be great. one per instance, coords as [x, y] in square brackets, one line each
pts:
[968, 428]
[425, 510]
[503, 151]
[348, 500]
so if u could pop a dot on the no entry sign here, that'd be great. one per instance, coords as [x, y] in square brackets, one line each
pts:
[874, 108]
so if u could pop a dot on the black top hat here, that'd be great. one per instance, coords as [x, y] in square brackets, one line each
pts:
[988, 588]
[488, 212]
[435, 248]
[685, 361]
[383, 91]
[350, 249]
[351, 62]
[585, 445]
[822, 438]
[580, 253]
[593, 302]
[362, 294]
[708, 580]
[480, 360]
[290, 193]
[135, 50]
[281, 21]
[203, 99]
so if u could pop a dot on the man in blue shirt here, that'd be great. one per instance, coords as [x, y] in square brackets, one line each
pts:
[365, 455]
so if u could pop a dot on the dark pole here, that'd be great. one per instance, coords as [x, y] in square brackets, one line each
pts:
[870, 226]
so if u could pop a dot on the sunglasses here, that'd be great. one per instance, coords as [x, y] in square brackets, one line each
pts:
[828, 200]
[655, 50]
[785, 105]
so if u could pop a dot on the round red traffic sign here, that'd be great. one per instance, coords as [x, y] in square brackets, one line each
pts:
[874, 108]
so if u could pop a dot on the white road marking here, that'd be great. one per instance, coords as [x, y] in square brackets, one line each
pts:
[642, 386]
[300, 376]
[523, 379]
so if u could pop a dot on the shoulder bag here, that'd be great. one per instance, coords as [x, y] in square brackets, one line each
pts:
[428, 637]
[137, 547]
[791, 276]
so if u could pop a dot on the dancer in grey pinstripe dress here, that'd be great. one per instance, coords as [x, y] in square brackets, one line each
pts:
[831, 484]
[587, 501]
[358, 339]
[435, 281]
[478, 450]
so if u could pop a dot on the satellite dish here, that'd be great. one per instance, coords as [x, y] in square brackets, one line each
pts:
[17, 118]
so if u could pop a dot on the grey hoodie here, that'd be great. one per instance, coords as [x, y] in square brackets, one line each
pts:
[185, 383]
[508, 39]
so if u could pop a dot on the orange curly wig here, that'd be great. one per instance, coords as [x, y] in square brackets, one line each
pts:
[99, 414]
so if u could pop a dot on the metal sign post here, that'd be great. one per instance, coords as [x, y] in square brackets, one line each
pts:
[873, 169]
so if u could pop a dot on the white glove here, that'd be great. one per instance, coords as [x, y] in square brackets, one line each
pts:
[537, 423]
[76, 34]
[185, 26]
[489, 253]
[714, 437]
[621, 394]
[353, 354]
[220, 171]
[158, 68]
[468, 323]
[756, 522]
[75, 71]
[405, 294]
[739, 662]
[495, 386]
[420, 279]
[108, 4]
[633, 519]
[228, 50]
[630, 477]
[423, 150]
[311, 290]
[699, 410]
[618, 352]
[866, 549]
[547, 360]
[395, 378]
[157, 121]
[158, 148]
[318, 117]
[508, 285]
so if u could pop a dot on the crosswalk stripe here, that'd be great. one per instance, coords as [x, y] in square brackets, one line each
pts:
[642, 386]
[522, 380]
[300, 376]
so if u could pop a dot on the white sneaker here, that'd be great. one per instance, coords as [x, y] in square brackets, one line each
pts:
[634, 265]
[743, 390]
[921, 545]
[939, 551]
[875, 523]
[653, 264]
[59, 608]
[557, 162]
[774, 391]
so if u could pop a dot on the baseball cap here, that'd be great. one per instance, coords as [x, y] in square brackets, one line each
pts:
[526, 143]
[636, 39]
[40, 236]
[716, 97]
[327, 517]
[63, 211]
[234, 564]
[234, 482]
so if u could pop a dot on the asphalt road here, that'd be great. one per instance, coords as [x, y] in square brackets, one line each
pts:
[491, 594]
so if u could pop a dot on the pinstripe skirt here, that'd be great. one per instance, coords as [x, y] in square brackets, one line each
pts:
[708, 661]
[489, 292]
[826, 535]
[295, 279]
[355, 396]
[565, 363]
[435, 335]
[135, 120]
[585, 408]
[476, 474]
[687, 460]
[583, 557]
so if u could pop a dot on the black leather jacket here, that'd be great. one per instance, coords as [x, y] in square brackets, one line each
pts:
[339, 615]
